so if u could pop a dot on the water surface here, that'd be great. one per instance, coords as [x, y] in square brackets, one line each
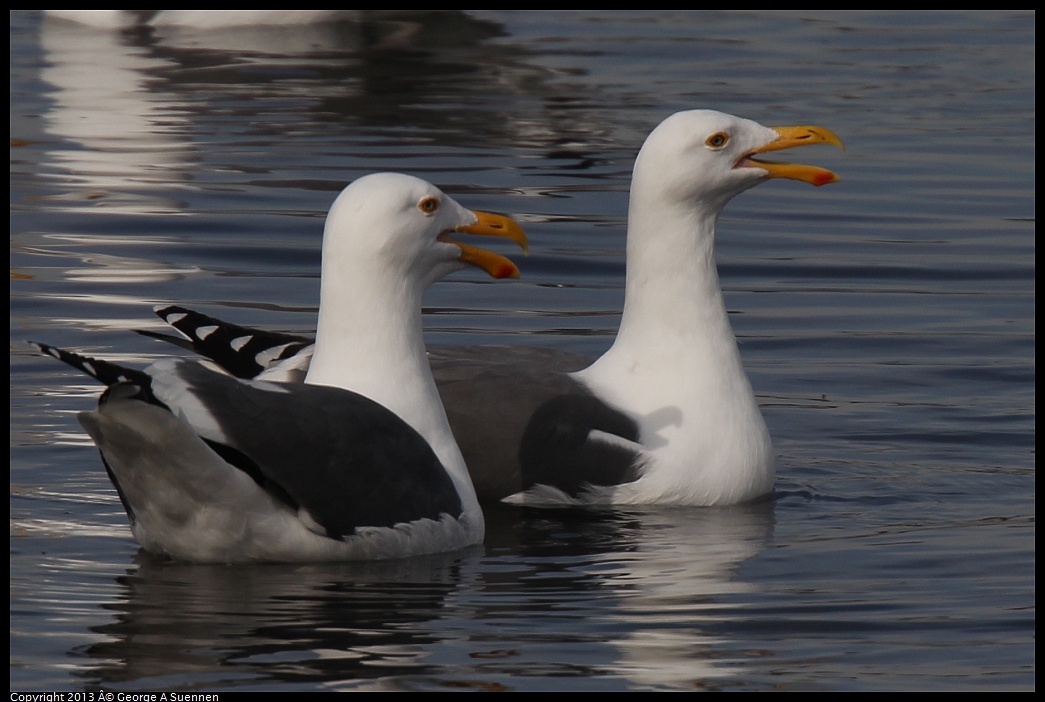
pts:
[886, 322]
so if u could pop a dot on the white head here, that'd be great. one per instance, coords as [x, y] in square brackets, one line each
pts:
[708, 157]
[387, 239]
[400, 225]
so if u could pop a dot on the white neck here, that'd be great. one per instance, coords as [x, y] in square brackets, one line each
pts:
[674, 312]
[675, 366]
[370, 340]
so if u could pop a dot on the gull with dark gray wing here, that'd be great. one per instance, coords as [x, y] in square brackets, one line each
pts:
[358, 461]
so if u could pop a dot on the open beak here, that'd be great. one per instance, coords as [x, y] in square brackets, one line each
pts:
[790, 137]
[491, 225]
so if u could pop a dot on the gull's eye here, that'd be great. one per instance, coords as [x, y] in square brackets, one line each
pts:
[717, 140]
[428, 205]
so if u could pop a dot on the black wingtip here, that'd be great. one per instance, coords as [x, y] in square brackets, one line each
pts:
[165, 311]
[242, 351]
[103, 371]
[122, 382]
[85, 364]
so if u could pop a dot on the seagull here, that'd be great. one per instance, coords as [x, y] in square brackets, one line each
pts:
[667, 415]
[358, 461]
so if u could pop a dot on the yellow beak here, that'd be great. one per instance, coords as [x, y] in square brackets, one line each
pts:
[790, 137]
[492, 225]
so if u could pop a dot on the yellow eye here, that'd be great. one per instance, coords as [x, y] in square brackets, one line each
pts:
[428, 205]
[717, 140]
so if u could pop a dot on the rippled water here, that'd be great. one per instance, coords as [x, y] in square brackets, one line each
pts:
[886, 322]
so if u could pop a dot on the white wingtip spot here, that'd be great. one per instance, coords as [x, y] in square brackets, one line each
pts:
[268, 356]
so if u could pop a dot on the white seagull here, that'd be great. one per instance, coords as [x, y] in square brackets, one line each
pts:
[358, 462]
[667, 415]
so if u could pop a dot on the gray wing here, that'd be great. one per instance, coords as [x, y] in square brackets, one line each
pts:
[521, 420]
[347, 460]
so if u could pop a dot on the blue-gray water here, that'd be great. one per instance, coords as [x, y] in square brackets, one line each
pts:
[886, 322]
